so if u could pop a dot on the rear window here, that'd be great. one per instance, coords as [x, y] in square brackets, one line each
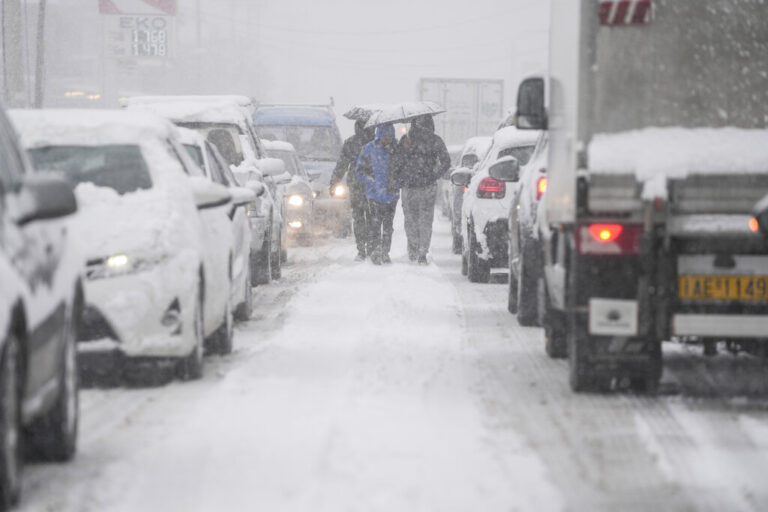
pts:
[311, 142]
[119, 167]
[522, 153]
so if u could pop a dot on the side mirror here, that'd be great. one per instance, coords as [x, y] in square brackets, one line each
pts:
[760, 212]
[271, 166]
[313, 176]
[256, 187]
[208, 194]
[531, 113]
[283, 179]
[242, 195]
[505, 169]
[45, 197]
[461, 177]
[447, 174]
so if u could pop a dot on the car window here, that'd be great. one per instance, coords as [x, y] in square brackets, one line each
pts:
[195, 153]
[222, 165]
[217, 173]
[311, 142]
[226, 137]
[522, 153]
[288, 158]
[188, 165]
[119, 167]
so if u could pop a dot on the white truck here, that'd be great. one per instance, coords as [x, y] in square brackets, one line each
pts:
[657, 113]
[473, 107]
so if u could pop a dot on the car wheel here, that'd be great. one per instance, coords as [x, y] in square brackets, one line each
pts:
[54, 436]
[582, 376]
[243, 311]
[10, 420]
[512, 289]
[527, 286]
[277, 261]
[222, 339]
[555, 340]
[262, 268]
[478, 271]
[191, 366]
[457, 243]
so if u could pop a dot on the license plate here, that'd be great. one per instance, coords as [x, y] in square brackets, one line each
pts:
[741, 288]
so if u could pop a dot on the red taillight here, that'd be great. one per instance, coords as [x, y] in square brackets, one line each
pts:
[490, 188]
[754, 226]
[541, 187]
[609, 239]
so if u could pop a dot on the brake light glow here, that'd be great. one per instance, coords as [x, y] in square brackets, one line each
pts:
[541, 187]
[609, 239]
[754, 226]
[490, 188]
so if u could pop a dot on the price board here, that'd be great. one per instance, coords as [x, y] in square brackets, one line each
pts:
[138, 36]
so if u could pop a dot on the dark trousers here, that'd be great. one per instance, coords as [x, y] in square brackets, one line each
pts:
[359, 203]
[380, 226]
[419, 213]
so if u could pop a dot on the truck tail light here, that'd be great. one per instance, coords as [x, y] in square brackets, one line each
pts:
[608, 239]
[490, 188]
[541, 187]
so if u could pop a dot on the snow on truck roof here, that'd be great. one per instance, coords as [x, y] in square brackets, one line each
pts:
[293, 116]
[88, 127]
[511, 137]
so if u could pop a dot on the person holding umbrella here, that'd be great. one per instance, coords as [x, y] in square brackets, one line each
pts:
[358, 201]
[424, 159]
[375, 170]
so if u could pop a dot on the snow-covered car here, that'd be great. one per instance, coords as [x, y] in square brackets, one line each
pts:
[225, 122]
[473, 151]
[525, 266]
[313, 133]
[208, 158]
[444, 183]
[299, 199]
[155, 289]
[41, 301]
[486, 203]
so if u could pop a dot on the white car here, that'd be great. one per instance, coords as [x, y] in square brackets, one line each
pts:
[472, 153]
[228, 216]
[485, 207]
[154, 288]
[225, 122]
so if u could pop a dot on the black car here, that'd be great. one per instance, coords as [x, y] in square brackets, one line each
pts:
[40, 307]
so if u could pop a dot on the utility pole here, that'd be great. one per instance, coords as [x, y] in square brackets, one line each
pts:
[40, 56]
[13, 61]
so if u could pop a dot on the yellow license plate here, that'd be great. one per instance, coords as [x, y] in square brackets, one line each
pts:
[742, 288]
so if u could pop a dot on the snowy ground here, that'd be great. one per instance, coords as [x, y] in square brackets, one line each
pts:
[406, 388]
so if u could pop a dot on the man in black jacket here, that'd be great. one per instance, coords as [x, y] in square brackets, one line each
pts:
[423, 160]
[359, 203]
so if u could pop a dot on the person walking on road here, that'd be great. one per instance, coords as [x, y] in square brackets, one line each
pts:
[358, 201]
[424, 159]
[375, 169]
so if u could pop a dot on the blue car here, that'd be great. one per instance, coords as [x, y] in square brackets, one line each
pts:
[313, 133]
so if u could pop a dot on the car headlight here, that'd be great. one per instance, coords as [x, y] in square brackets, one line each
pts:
[296, 200]
[340, 191]
[117, 262]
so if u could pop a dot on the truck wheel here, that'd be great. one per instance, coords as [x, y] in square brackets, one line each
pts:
[10, 425]
[581, 374]
[478, 271]
[648, 382]
[527, 287]
[555, 341]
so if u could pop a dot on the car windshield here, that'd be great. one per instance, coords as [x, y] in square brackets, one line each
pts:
[522, 153]
[286, 157]
[226, 137]
[311, 142]
[119, 167]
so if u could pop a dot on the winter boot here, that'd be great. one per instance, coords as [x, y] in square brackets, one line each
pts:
[385, 259]
[423, 260]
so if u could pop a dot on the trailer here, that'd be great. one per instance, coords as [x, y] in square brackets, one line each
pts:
[657, 113]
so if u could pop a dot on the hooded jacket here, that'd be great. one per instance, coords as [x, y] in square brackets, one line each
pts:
[424, 157]
[349, 153]
[375, 166]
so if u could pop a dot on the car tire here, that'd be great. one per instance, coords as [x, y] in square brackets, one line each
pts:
[53, 437]
[191, 366]
[261, 272]
[582, 376]
[457, 243]
[244, 309]
[10, 424]
[478, 271]
[527, 286]
[222, 341]
[277, 262]
[555, 338]
[512, 289]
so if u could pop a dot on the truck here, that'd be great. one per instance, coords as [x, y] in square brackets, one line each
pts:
[657, 113]
[473, 107]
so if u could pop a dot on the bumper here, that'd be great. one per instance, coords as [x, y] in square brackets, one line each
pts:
[150, 316]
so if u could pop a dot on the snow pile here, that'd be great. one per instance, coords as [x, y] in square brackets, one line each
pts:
[511, 137]
[657, 154]
[180, 111]
[39, 128]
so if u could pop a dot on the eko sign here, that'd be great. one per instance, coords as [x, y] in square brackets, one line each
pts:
[138, 28]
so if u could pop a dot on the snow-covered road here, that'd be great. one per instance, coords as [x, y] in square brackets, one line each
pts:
[405, 388]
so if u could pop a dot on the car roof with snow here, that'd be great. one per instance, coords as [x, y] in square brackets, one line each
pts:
[192, 137]
[512, 137]
[477, 146]
[88, 127]
[182, 109]
[278, 145]
[293, 116]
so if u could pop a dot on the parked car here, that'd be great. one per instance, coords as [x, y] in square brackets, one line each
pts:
[156, 288]
[225, 122]
[474, 150]
[299, 208]
[40, 309]
[313, 133]
[208, 158]
[444, 183]
[486, 203]
[525, 265]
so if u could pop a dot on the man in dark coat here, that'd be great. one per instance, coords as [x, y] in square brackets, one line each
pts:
[423, 159]
[346, 166]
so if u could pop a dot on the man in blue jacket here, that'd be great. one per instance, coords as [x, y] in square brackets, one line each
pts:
[375, 170]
